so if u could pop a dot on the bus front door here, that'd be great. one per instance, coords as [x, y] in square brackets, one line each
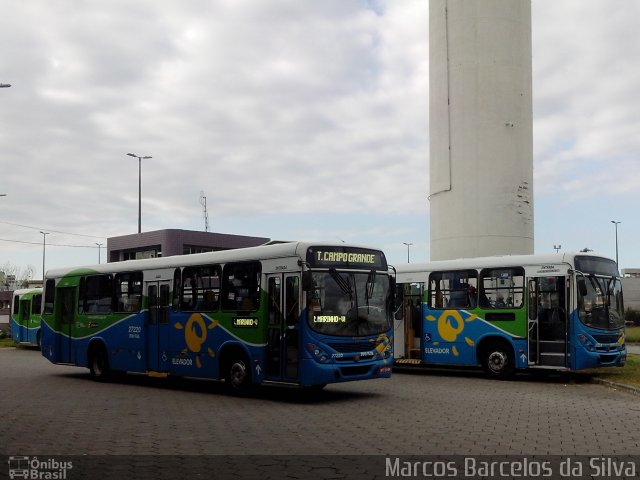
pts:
[66, 305]
[157, 326]
[23, 324]
[547, 321]
[283, 335]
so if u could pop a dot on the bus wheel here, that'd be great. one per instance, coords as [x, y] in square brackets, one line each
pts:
[98, 362]
[498, 360]
[238, 375]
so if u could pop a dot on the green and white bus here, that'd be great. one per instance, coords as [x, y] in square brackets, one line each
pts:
[292, 313]
[506, 313]
[25, 316]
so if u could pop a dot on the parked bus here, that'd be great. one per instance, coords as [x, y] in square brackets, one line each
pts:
[558, 311]
[292, 313]
[25, 316]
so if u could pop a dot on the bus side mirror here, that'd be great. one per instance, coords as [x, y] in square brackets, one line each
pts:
[307, 281]
[582, 287]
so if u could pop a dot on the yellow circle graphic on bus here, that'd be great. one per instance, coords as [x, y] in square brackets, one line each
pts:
[195, 337]
[195, 334]
[450, 324]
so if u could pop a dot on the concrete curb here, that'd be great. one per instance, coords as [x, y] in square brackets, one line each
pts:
[617, 386]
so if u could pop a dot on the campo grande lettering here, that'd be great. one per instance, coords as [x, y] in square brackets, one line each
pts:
[346, 257]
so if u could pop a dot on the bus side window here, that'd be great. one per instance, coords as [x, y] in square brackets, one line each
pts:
[36, 304]
[128, 292]
[502, 287]
[177, 279]
[49, 295]
[453, 289]
[241, 286]
[95, 294]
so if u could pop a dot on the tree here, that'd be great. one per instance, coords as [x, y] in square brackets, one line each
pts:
[14, 276]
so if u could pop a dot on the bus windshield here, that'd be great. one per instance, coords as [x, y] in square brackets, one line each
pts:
[600, 303]
[348, 303]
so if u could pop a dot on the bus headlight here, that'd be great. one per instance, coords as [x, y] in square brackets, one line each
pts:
[587, 343]
[318, 354]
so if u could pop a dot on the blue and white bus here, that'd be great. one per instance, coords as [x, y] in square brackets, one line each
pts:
[291, 313]
[506, 313]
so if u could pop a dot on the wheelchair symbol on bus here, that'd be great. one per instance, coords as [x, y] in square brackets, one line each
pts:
[427, 337]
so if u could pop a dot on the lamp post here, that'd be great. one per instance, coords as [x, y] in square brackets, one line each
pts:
[44, 250]
[557, 247]
[408, 245]
[616, 224]
[139, 187]
[99, 247]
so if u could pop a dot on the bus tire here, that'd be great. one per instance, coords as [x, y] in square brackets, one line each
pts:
[237, 374]
[98, 362]
[498, 359]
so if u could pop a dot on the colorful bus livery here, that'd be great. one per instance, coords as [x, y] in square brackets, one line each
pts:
[558, 311]
[25, 316]
[248, 316]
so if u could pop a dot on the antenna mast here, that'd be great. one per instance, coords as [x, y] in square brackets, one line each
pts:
[203, 202]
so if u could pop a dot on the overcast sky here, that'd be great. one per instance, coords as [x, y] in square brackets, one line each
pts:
[298, 119]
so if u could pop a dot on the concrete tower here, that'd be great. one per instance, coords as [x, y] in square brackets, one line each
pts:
[481, 151]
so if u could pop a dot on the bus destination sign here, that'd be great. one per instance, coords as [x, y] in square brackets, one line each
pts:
[346, 257]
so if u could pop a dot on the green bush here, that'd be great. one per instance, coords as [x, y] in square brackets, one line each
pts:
[631, 315]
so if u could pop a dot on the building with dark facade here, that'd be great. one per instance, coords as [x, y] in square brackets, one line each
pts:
[165, 243]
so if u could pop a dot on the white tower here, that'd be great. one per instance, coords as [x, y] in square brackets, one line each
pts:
[481, 151]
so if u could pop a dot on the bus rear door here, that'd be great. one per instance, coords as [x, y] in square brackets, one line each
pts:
[157, 325]
[283, 335]
[65, 305]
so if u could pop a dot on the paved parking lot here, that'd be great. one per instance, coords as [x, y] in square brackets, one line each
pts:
[58, 410]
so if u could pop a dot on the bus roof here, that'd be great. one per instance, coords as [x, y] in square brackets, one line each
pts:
[495, 261]
[23, 291]
[261, 252]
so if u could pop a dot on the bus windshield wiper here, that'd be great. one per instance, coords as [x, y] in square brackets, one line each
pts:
[341, 282]
[371, 281]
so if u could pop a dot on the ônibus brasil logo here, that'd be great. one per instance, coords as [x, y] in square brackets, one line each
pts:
[36, 469]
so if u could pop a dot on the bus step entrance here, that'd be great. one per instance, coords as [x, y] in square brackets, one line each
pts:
[552, 353]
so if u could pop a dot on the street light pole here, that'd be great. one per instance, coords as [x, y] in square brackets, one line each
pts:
[44, 250]
[616, 224]
[408, 245]
[139, 187]
[99, 246]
